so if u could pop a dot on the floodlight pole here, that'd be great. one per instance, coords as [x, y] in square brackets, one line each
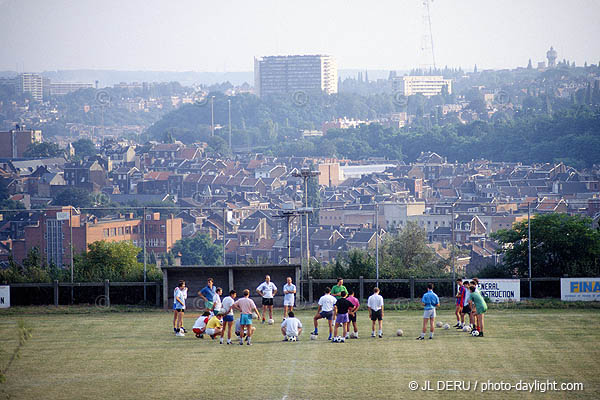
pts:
[306, 173]
[144, 234]
[452, 255]
[224, 233]
[72, 269]
[229, 112]
[376, 244]
[212, 116]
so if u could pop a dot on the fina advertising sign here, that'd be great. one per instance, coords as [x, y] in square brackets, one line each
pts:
[580, 289]
[499, 290]
[4, 296]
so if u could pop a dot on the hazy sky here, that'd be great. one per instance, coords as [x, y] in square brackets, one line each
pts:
[225, 35]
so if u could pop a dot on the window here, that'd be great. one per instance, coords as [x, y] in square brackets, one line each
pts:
[120, 231]
[113, 231]
[105, 232]
[135, 229]
[127, 230]
[163, 228]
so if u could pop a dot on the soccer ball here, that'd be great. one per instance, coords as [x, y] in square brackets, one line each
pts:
[475, 333]
[439, 324]
[293, 339]
[271, 321]
[334, 339]
[446, 326]
[254, 316]
[466, 328]
[222, 311]
[313, 337]
[399, 332]
[341, 339]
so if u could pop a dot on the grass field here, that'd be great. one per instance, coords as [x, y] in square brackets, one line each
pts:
[134, 355]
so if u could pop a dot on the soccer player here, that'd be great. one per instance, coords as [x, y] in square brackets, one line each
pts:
[430, 300]
[352, 315]
[238, 329]
[246, 306]
[460, 299]
[325, 310]
[228, 318]
[180, 296]
[338, 288]
[208, 294]
[267, 290]
[375, 306]
[480, 308]
[214, 326]
[217, 305]
[289, 293]
[342, 307]
[200, 324]
[291, 327]
[466, 309]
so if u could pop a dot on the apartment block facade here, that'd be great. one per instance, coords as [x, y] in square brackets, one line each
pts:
[425, 85]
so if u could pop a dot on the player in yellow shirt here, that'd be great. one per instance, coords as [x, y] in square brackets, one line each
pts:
[214, 326]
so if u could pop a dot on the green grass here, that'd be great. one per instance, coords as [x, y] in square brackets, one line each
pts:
[135, 355]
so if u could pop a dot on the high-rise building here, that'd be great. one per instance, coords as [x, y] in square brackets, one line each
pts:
[32, 84]
[425, 85]
[16, 142]
[551, 56]
[287, 74]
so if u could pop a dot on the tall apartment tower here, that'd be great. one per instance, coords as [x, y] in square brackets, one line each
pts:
[31, 83]
[287, 74]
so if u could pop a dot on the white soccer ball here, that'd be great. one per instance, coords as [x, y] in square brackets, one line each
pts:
[223, 311]
[475, 333]
[439, 324]
[341, 339]
[254, 316]
[334, 339]
[313, 337]
[399, 332]
[271, 321]
[293, 338]
[446, 326]
[466, 328]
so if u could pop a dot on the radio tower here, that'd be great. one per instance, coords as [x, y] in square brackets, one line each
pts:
[427, 39]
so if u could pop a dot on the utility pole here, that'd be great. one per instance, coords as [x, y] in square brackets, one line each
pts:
[452, 255]
[306, 173]
[144, 232]
[72, 269]
[212, 116]
[376, 244]
[529, 243]
[224, 233]
[229, 112]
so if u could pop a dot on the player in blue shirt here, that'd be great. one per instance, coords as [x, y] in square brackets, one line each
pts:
[208, 294]
[431, 301]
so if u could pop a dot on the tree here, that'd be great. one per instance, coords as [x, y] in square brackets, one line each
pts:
[43, 150]
[560, 245]
[198, 250]
[72, 196]
[84, 148]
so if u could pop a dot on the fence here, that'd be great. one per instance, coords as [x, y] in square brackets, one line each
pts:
[105, 293]
[98, 293]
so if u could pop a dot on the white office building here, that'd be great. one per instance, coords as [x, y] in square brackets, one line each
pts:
[425, 85]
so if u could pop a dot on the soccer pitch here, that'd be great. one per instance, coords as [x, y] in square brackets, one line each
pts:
[134, 355]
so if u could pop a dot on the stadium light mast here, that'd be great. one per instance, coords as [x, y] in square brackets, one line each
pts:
[376, 244]
[306, 173]
[229, 115]
[529, 243]
[145, 261]
[212, 116]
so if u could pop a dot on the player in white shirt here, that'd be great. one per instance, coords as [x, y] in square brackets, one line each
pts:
[180, 295]
[325, 310]
[291, 327]
[200, 324]
[267, 290]
[289, 295]
[217, 305]
[375, 306]
[228, 318]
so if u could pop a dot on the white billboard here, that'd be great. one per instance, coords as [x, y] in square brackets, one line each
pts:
[580, 289]
[498, 290]
[4, 296]
[62, 216]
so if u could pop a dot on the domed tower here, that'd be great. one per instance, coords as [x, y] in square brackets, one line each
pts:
[551, 56]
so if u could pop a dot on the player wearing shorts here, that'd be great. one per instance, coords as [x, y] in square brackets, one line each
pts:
[352, 315]
[267, 290]
[238, 330]
[325, 310]
[246, 306]
[208, 294]
[480, 308]
[200, 324]
[291, 327]
[214, 326]
[228, 318]
[430, 300]
[179, 308]
[460, 300]
[289, 295]
[341, 308]
[375, 306]
[217, 305]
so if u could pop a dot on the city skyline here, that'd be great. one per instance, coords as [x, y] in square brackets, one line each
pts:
[188, 36]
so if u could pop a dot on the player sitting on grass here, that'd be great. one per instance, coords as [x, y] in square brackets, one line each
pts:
[291, 327]
[180, 296]
[214, 326]
[325, 310]
[200, 324]
[352, 315]
[480, 308]
[246, 306]
[228, 318]
[375, 306]
[341, 307]
[460, 299]
[431, 301]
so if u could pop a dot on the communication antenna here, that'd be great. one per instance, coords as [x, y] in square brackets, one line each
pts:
[427, 38]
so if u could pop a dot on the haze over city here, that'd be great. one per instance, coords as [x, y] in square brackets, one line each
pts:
[225, 36]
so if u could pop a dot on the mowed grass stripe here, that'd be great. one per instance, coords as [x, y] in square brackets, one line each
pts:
[136, 355]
